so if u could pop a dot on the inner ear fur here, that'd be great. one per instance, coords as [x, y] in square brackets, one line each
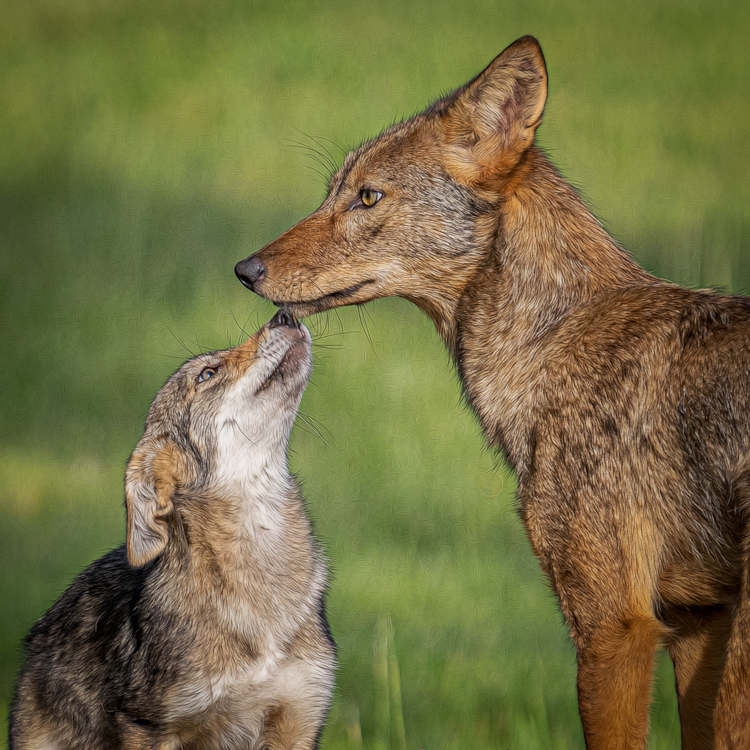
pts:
[155, 470]
[490, 122]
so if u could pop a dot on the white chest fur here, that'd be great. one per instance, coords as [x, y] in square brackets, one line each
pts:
[229, 709]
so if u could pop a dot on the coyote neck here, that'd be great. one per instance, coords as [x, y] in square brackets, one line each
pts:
[549, 259]
[256, 570]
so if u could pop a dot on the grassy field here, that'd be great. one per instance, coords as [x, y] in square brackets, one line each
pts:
[147, 146]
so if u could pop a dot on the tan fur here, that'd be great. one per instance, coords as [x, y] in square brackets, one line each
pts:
[621, 401]
[210, 633]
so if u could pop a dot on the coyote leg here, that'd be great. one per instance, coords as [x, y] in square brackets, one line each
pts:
[615, 663]
[732, 717]
[697, 644]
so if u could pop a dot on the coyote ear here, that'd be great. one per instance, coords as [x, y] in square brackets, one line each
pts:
[149, 485]
[491, 121]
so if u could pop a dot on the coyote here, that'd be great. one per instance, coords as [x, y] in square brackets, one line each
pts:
[622, 402]
[206, 630]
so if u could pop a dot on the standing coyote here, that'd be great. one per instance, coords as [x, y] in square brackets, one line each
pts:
[622, 402]
[206, 631]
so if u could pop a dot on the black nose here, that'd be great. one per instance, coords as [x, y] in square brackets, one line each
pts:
[283, 318]
[250, 270]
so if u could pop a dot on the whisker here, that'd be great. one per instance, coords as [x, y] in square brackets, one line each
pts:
[319, 138]
[312, 427]
[322, 293]
[322, 151]
[182, 343]
[234, 317]
[366, 331]
[236, 426]
[178, 357]
[323, 159]
[317, 171]
[334, 334]
[320, 425]
[338, 315]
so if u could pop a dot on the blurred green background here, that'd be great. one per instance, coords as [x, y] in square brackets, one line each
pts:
[146, 146]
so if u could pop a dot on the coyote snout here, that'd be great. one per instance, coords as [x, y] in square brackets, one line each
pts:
[207, 628]
[621, 401]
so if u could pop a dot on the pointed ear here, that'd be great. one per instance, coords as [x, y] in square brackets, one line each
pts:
[490, 122]
[150, 483]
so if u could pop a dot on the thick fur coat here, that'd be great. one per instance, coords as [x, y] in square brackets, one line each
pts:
[621, 401]
[207, 630]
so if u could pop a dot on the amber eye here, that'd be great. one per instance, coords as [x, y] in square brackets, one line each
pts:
[369, 197]
[205, 374]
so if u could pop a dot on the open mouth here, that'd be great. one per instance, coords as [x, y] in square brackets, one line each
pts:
[324, 300]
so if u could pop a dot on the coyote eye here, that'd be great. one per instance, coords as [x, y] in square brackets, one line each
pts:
[205, 374]
[369, 197]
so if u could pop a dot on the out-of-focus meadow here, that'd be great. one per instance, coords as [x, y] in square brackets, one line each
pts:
[147, 146]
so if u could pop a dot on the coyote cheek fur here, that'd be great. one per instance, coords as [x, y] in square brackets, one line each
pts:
[621, 401]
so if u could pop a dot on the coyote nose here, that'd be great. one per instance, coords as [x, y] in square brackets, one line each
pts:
[250, 270]
[283, 318]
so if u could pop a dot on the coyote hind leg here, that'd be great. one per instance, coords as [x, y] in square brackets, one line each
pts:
[732, 716]
[697, 643]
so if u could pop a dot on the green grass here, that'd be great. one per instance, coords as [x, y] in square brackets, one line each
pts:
[148, 146]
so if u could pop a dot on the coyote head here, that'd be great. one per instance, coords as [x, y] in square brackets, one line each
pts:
[413, 212]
